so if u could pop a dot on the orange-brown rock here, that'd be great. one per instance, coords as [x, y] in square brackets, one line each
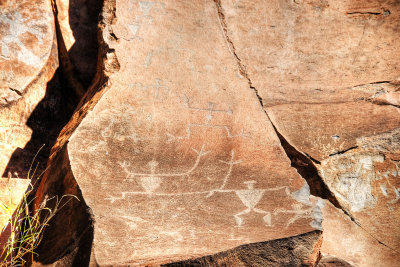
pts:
[300, 250]
[343, 240]
[179, 163]
[327, 74]
[28, 59]
[178, 151]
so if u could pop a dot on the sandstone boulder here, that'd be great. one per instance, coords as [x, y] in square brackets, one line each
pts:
[178, 151]
[327, 74]
[346, 242]
[177, 159]
[28, 59]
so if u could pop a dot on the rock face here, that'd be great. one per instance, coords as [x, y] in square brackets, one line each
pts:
[181, 152]
[351, 243]
[28, 59]
[328, 76]
[178, 151]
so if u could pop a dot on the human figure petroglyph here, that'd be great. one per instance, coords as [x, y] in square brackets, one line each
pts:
[250, 197]
[210, 112]
[157, 87]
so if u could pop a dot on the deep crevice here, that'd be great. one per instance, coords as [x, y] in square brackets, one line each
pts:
[302, 163]
[363, 13]
[343, 151]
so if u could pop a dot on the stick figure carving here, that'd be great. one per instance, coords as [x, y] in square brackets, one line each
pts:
[250, 197]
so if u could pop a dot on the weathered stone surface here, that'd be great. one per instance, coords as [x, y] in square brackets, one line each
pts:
[349, 242]
[178, 151]
[330, 261]
[366, 182]
[178, 162]
[28, 58]
[321, 51]
[327, 74]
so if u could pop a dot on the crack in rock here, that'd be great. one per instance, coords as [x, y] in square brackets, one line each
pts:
[299, 160]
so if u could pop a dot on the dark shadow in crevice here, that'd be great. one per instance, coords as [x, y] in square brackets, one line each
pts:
[46, 121]
[64, 91]
[306, 168]
[83, 21]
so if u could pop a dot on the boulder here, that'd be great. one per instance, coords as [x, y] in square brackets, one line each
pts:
[327, 75]
[28, 59]
[178, 151]
[181, 151]
[345, 242]
[176, 159]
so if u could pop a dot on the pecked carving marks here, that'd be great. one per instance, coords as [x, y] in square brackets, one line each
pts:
[209, 113]
[143, 18]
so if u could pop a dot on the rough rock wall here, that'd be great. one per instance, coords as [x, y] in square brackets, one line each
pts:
[28, 60]
[185, 148]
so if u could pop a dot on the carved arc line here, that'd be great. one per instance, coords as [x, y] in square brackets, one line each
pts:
[200, 153]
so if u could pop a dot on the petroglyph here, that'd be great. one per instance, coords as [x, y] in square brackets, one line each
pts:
[250, 198]
[153, 164]
[157, 87]
[144, 18]
[230, 163]
[210, 112]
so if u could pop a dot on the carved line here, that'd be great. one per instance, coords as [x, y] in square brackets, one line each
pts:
[200, 154]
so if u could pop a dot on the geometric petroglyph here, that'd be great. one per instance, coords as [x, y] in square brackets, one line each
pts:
[210, 112]
[152, 180]
[250, 198]
[145, 18]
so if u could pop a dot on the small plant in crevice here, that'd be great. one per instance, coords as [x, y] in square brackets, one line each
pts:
[25, 228]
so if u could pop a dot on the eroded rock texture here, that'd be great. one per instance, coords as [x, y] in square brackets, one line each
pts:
[188, 145]
[327, 75]
[178, 151]
[28, 59]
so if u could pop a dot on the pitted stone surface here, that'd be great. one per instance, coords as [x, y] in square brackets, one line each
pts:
[178, 152]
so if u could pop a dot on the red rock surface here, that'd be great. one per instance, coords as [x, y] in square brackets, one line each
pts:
[327, 74]
[28, 59]
[184, 150]
[178, 151]
[351, 243]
